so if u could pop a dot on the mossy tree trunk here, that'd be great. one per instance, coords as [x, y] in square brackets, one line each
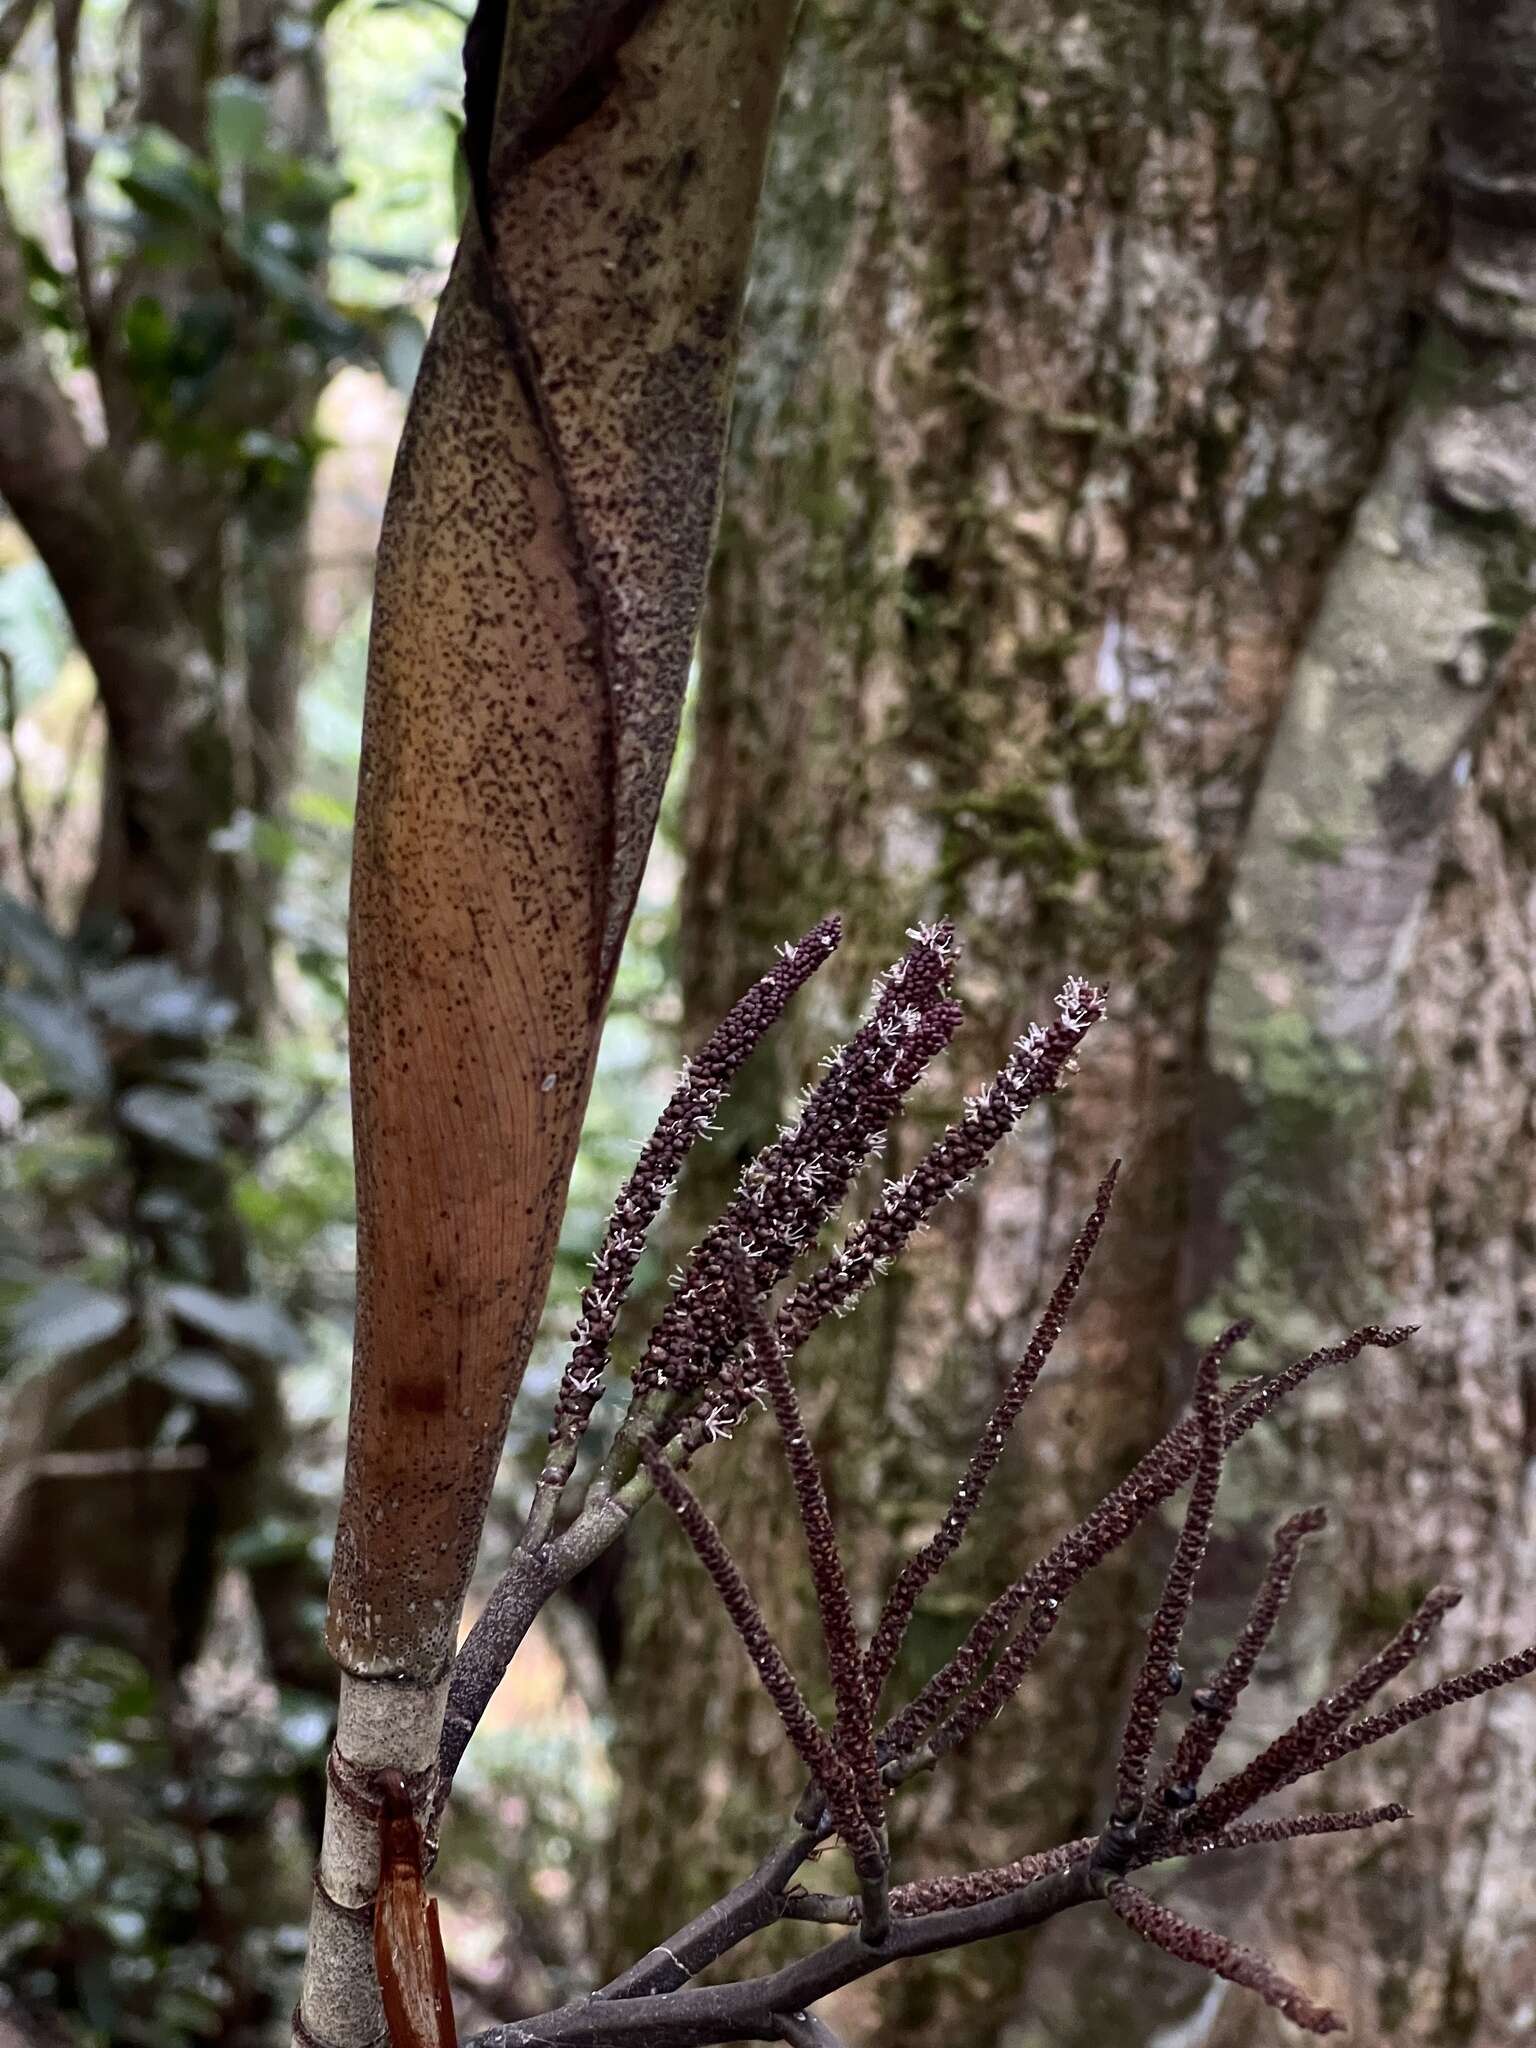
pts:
[1077, 340]
[1372, 1104]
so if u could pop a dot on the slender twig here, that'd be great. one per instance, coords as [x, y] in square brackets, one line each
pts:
[853, 1731]
[77, 155]
[1154, 1478]
[1294, 1753]
[1176, 1936]
[756, 1902]
[699, 2015]
[1298, 1827]
[1160, 1675]
[1212, 1706]
[1450, 1692]
[816, 1751]
[922, 1568]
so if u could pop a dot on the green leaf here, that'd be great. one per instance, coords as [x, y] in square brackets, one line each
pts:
[202, 1377]
[27, 937]
[26, 1732]
[237, 121]
[65, 1315]
[319, 808]
[245, 1322]
[35, 1794]
[65, 1040]
[166, 181]
[183, 1124]
[154, 999]
[225, 1079]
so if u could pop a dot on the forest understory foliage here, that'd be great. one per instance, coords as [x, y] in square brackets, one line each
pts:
[721, 1350]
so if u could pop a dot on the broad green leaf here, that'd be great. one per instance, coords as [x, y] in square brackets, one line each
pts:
[66, 1315]
[165, 180]
[183, 1124]
[27, 937]
[26, 1731]
[237, 121]
[202, 1377]
[154, 999]
[65, 1039]
[225, 1079]
[28, 1792]
[97, 1392]
[246, 1322]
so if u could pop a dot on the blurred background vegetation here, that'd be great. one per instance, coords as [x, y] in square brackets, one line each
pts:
[265, 211]
[1127, 542]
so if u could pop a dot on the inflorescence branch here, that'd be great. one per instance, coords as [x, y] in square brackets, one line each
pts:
[721, 1347]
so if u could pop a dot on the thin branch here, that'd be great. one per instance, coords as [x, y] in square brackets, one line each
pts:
[15, 20]
[934, 1894]
[1450, 1692]
[1212, 1706]
[820, 1757]
[1295, 1753]
[1160, 1675]
[755, 1903]
[853, 1730]
[1153, 1479]
[1248, 1834]
[1176, 1936]
[700, 2015]
[921, 1569]
[824, 1909]
[77, 155]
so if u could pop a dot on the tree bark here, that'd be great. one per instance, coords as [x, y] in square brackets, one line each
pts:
[1074, 345]
[1373, 1101]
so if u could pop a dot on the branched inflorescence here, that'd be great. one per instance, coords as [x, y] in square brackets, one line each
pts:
[687, 1117]
[723, 1346]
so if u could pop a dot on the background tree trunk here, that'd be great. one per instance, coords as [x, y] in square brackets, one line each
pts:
[1076, 344]
[184, 573]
